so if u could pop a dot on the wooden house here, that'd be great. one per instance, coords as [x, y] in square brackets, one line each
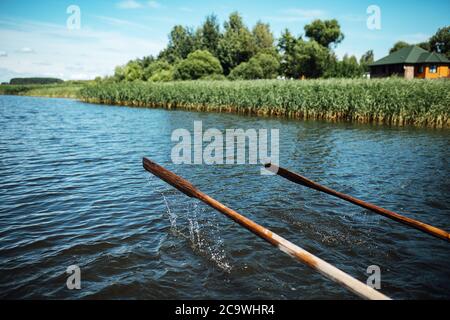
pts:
[411, 62]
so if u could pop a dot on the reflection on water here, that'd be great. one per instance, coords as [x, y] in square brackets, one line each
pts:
[73, 191]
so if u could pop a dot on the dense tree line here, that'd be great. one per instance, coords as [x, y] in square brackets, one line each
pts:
[26, 81]
[235, 51]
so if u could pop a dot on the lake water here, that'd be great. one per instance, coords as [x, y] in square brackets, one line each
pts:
[73, 192]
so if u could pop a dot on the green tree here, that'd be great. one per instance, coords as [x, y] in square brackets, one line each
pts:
[181, 42]
[208, 35]
[399, 45]
[286, 47]
[264, 40]
[146, 61]
[440, 42]
[119, 73]
[287, 42]
[197, 65]
[261, 66]
[425, 45]
[309, 59]
[237, 44]
[366, 59]
[349, 67]
[326, 33]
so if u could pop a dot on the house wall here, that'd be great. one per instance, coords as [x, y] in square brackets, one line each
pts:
[387, 71]
[409, 72]
[442, 72]
[418, 74]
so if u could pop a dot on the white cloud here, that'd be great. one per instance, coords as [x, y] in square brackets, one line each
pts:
[79, 76]
[154, 4]
[7, 74]
[122, 23]
[304, 13]
[68, 54]
[133, 4]
[26, 50]
[186, 9]
[129, 4]
[297, 15]
[353, 18]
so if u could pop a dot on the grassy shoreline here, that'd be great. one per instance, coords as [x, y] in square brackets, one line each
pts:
[389, 101]
[65, 90]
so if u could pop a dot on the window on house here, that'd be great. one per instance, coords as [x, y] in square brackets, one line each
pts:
[421, 69]
[433, 69]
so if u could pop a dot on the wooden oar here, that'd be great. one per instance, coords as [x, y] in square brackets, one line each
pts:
[284, 245]
[294, 177]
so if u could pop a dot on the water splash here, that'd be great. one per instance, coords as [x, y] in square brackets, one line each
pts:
[172, 216]
[203, 234]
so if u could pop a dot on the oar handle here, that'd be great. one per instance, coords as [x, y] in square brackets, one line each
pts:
[284, 245]
[296, 178]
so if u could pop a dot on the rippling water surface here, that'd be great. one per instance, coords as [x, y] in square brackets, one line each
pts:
[73, 191]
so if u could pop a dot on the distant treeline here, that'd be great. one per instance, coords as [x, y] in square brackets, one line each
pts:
[27, 81]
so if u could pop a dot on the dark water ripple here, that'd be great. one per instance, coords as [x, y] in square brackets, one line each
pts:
[73, 191]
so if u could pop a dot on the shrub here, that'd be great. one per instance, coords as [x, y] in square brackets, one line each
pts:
[247, 71]
[133, 71]
[155, 70]
[198, 64]
[162, 76]
[261, 66]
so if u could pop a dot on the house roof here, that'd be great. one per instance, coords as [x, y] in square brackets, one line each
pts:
[432, 57]
[411, 54]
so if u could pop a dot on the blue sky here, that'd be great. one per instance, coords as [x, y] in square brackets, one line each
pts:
[35, 40]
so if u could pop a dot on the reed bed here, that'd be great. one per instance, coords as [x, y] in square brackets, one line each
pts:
[392, 101]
